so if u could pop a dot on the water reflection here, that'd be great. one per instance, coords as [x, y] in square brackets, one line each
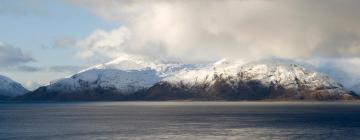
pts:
[180, 120]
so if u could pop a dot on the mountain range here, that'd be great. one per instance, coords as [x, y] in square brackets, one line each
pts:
[132, 77]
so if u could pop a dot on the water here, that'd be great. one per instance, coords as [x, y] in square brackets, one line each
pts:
[180, 120]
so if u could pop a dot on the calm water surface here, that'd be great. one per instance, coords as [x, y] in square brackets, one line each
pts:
[180, 120]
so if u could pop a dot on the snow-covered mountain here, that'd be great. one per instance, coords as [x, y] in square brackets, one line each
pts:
[285, 73]
[123, 76]
[126, 74]
[10, 88]
[342, 71]
[292, 80]
[146, 78]
[123, 81]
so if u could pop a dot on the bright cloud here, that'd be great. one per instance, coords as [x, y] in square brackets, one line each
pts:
[208, 30]
[103, 43]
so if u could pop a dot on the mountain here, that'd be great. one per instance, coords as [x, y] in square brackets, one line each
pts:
[339, 71]
[135, 78]
[271, 79]
[119, 79]
[10, 88]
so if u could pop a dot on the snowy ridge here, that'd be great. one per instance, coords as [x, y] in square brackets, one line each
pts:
[342, 70]
[205, 74]
[126, 74]
[10, 88]
[289, 75]
[128, 62]
[123, 81]
[280, 72]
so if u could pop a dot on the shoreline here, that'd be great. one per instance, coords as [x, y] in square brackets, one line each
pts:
[187, 101]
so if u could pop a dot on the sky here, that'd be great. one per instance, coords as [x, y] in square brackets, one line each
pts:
[36, 38]
[43, 40]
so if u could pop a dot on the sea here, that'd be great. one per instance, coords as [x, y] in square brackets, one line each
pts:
[179, 120]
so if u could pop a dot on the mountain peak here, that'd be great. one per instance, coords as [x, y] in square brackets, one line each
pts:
[10, 88]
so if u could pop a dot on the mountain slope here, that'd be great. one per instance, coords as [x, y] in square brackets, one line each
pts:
[116, 79]
[98, 84]
[10, 88]
[253, 81]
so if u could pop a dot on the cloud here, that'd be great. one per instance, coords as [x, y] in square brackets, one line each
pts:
[62, 42]
[12, 56]
[21, 8]
[66, 68]
[26, 68]
[103, 43]
[210, 29]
